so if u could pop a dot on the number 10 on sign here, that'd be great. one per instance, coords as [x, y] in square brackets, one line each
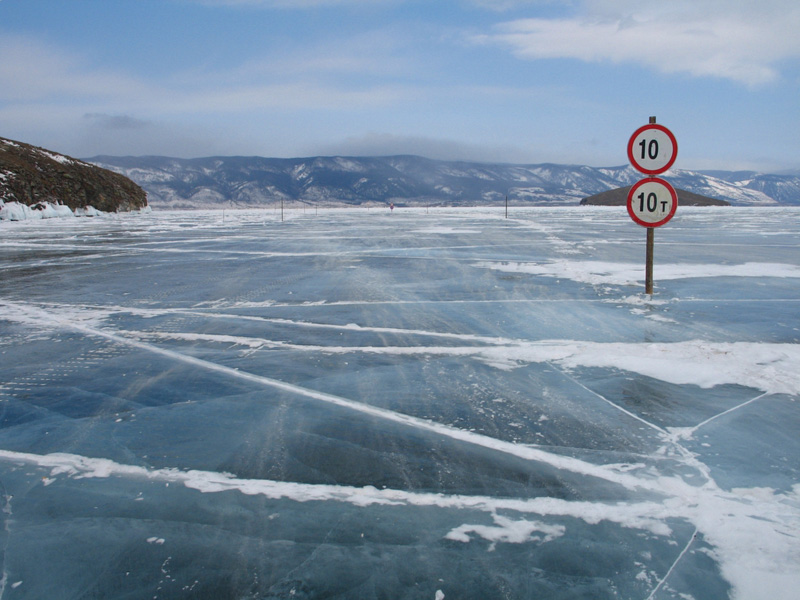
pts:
[652, 149]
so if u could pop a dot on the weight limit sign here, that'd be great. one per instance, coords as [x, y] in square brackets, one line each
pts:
[652, 202]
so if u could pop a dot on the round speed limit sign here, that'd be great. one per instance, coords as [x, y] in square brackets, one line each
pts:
[652, 202]
[652, 149]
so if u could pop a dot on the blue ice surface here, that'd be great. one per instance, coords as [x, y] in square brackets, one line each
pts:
[362, 383]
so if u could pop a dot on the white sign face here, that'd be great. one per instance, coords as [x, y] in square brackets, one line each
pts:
[652, 202]
[652, 149]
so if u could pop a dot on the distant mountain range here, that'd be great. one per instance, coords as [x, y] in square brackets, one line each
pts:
[413, 180]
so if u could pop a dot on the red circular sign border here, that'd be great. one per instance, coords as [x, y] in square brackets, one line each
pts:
[669, 216]
[674, 149]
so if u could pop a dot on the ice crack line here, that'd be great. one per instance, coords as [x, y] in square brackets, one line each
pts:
[730, 410]
[686, 433]
[357, 328]
[672, 568]
[31, 314]
[604, 399]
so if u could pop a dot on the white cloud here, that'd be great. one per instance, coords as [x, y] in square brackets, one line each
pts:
[736, 40]
[292, 96]
[33, 74]
[31, 70]
[57, 98]
[381, 54]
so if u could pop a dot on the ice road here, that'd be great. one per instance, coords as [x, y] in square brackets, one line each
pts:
[424, 403]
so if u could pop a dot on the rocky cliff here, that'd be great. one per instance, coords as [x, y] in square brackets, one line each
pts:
[30, 175]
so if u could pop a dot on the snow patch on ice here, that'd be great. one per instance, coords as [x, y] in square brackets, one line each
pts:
[447, 230]
[610, 273]
[509, 531]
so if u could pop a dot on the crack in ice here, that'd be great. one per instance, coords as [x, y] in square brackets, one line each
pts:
[571, 464]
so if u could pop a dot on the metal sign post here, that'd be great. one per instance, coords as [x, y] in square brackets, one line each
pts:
[652, 149]
[648, 265]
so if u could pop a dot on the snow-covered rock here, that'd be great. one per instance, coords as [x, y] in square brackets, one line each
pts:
[87, 211]
[16, 211]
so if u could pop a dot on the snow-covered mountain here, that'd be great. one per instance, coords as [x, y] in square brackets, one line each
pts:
[251, 181]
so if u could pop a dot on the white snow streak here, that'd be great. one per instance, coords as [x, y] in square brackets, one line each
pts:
[754, 531]
[611, 273]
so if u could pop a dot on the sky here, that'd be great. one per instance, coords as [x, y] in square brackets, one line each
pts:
[516, 81]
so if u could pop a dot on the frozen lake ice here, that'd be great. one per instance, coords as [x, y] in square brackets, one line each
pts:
[439, 403]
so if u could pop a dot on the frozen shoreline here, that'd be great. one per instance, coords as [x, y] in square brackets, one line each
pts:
[16, 211]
